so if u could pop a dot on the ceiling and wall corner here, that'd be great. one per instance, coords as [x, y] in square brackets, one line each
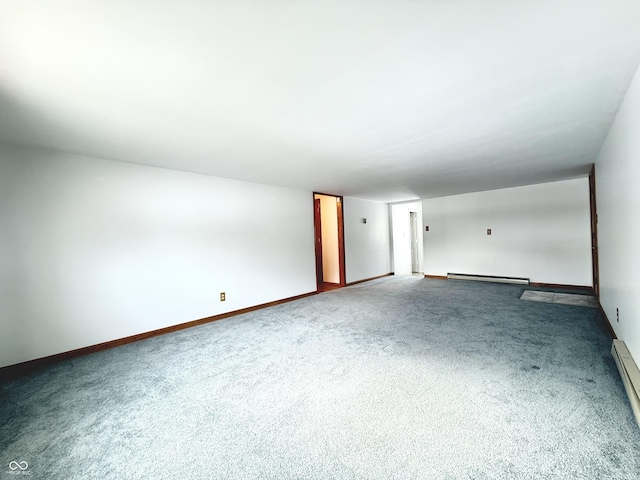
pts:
[618, 197]
[387, 101]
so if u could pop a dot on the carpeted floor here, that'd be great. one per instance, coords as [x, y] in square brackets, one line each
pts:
[396, 378]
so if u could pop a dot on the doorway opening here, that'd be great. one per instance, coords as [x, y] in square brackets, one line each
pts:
[408, 247]
[415, 265]
[329, 241]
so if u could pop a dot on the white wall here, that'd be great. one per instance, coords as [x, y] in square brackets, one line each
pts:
[94, 250]
[330, 254]
[401, 222]
[366, 244]
[541, 232]
[618, 198]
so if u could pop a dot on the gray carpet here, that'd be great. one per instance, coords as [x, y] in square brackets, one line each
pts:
[397, 378]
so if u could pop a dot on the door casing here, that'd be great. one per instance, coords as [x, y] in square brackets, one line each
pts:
[318, 234]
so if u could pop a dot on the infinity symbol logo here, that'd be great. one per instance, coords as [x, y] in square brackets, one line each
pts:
[15, 465]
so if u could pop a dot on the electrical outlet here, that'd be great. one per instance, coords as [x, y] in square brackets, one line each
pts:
[223, 296]
[618, 315]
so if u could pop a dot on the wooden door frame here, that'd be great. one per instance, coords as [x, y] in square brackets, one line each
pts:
[341, 260]
[317, 239]
[341, 247]
[593, 206]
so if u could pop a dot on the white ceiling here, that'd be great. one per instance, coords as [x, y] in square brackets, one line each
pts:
[387, 100]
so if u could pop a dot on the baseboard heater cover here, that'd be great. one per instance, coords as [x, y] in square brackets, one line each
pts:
[629, 373]
[488, 278]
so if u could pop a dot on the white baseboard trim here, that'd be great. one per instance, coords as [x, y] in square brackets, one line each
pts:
[487, 278]
[629, 373]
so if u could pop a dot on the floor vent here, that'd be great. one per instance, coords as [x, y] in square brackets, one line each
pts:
[487, 278]
[629, 373]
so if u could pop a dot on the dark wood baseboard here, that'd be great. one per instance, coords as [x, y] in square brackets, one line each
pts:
[14, 371]
[561, 285]
[609, 324]
[436, 277]
[369, 279]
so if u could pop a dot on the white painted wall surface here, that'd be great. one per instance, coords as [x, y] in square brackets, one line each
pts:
[541, 232]
[366, 244]
[330, 255]
[618, 198]
[400, 214]
[94, 250]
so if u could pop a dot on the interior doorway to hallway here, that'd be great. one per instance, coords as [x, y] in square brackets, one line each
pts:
[329, 241]
[415, 263]
[408, 241]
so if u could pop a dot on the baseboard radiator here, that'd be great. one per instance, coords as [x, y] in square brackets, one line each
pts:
[629, 373]
[488, 278]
